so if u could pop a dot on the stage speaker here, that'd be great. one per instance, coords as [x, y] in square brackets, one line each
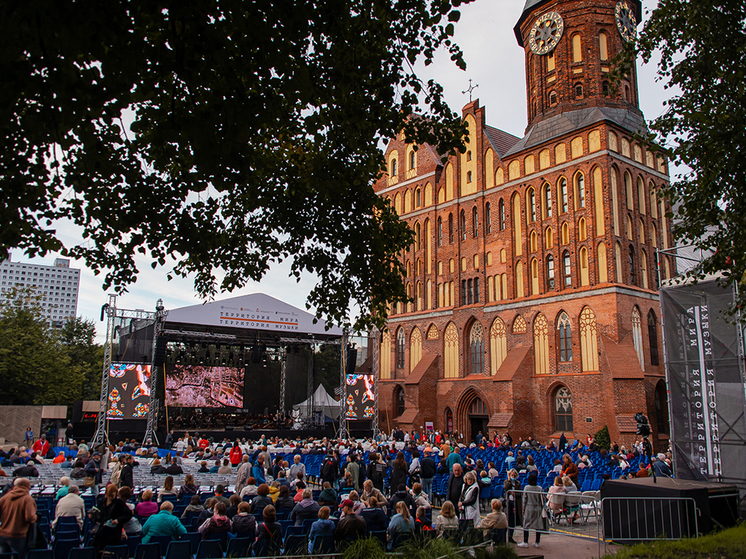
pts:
[350, 360]
[644, 509]
[160, 349]
[78, 410]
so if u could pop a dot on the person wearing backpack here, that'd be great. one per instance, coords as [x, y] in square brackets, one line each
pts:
[329, 469]
[376, 470]
[427, 471]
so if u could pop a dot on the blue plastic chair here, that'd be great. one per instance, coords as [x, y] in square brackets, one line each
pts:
[62, 548]
[132, 543]
[116, 551]
[148, 551]
[82, 553]
[209, 549]
[182, 550]
[222, 537]
[40, 554]
[162, 542]
[295, 531]
[296, 544]
[194, 539]
[239, 547]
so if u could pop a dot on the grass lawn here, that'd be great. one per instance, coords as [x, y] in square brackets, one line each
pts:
[728, 544]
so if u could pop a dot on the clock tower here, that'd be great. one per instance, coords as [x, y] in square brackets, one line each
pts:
[570, 46]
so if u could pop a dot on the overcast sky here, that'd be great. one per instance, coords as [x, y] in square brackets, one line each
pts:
[494, 61]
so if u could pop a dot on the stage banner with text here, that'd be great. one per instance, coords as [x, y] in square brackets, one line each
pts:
[706, 383]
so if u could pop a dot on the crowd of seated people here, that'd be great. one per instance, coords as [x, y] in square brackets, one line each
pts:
[382, 486]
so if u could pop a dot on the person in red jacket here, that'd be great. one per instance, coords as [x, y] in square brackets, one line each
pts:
[17, 514]
[569, 469]
[236, 454]
[41, 446]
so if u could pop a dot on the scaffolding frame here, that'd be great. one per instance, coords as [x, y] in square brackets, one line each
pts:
[112, 313]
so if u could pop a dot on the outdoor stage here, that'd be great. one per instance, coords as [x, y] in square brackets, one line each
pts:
[239, 360]
[256, 434]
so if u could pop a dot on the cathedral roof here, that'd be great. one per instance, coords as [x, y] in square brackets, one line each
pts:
[501, 141]
[531, 4]
[568, 122]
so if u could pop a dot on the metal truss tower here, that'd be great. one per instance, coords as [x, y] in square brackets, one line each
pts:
[113, 314]
[342, 432]
[110, 309]
[375, 341]
[150, 434]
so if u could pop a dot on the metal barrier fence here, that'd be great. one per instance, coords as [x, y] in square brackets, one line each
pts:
[624, 520]
[630, 520]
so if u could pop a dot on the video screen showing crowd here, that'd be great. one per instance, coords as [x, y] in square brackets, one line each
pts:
[197, 386]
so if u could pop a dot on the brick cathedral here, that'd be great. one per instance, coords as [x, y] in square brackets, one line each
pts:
[535, 267]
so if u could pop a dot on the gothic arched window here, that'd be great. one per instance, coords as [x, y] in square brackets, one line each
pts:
[547, 200]
[566, 269]
[476, 348]
[400, 402]
[564, 338]
[563, 410]
[462, 225]
[550, 272]
[488, 218]
[579, 191]
[531, 205]
[653, 338]
[474, 223]
[501, 214]
[401, 342]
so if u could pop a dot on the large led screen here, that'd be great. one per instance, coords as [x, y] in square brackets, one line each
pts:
[196, 386]
[360, 401]
[129, 391]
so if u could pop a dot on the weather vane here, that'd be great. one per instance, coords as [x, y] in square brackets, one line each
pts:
[470, 89]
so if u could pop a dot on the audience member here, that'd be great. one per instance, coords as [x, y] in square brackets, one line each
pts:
[351, 526]
[244, 522]
[322, 527]
[307, 508]
[163, 524]
[447, 519]
[70, 505]
[146, 507]
[217, 523]
[195, 505]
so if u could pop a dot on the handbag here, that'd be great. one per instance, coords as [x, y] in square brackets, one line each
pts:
[89, 481]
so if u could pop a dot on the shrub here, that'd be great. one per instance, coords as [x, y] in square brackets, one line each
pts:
[603, 439]
[368, 548]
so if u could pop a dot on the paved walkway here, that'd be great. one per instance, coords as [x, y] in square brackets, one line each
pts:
[556, 546]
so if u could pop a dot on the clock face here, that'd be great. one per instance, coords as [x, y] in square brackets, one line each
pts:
[546, 33]
[625, 21]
